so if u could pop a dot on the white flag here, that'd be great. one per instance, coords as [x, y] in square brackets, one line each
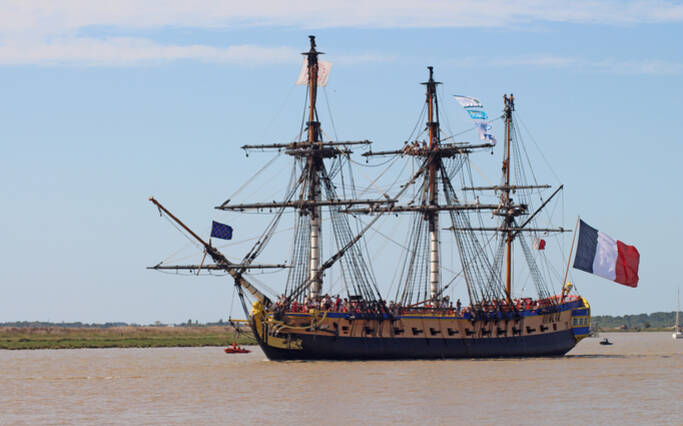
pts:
[324, 68]
[468, 102]
[484, 127]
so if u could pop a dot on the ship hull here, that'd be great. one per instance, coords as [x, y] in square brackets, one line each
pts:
[336, 336]
[357, 348]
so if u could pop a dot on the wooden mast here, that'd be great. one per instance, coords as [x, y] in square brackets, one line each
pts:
[314, 165]
[312, 61]
[433, 216]
[312, 151]
[506, 204]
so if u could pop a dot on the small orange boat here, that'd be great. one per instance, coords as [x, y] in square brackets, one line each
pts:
[234, 349]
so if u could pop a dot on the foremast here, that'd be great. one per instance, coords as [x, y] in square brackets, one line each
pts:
[314, 167]
[433, 216]
[310, 191]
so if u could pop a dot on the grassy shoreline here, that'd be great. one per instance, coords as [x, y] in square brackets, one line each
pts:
[117, 337]
[145, 337]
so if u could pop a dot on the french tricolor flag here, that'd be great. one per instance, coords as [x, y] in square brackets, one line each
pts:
[602, 255]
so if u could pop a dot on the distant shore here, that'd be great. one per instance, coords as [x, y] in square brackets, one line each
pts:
[146, 337]
[117, 337]
[633, 330]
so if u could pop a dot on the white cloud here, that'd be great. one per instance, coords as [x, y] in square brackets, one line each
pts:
[59, 16]
[538, 60]
[126, 51]
[51, 31]
[605, 65]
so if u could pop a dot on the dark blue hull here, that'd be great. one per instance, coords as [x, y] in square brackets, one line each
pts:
[345, 348]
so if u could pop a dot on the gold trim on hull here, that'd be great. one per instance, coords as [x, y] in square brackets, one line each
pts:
[288, 331]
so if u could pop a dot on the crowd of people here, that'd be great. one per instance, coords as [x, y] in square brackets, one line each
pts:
[443, 305]
[414, 148]
[332, 304]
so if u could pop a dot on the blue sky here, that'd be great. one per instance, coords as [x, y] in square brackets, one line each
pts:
[103, 107]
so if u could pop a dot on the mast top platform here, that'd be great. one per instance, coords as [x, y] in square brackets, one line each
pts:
[312, 53]
[431, 77]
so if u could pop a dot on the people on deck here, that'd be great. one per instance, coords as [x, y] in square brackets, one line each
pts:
[442, 305]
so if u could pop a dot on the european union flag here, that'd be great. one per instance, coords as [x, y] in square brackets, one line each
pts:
[219, 230]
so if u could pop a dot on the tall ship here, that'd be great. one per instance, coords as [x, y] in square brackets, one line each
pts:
[417, 318]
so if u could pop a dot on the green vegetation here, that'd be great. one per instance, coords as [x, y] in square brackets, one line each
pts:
[117, 337]
[41, 335]
[658, 321]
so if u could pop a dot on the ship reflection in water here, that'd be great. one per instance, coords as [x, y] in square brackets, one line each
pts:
[638, 380]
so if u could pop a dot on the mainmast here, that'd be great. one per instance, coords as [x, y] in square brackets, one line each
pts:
[314, 166]
[422, 273]
[433, 216]
[506, 202]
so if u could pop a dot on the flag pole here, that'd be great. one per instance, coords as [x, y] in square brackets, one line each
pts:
[569, 259]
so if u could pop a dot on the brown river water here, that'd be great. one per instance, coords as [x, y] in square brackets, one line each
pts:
[638, 380]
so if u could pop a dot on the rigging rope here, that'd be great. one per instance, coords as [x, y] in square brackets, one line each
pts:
[279, 111]
[372, 165]
[268, 233]
[419, 120]
[467, 130]
[329, 111]
[245, 184]
[194, 242]
[552, 170]
[303, 116]
[373, 183]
